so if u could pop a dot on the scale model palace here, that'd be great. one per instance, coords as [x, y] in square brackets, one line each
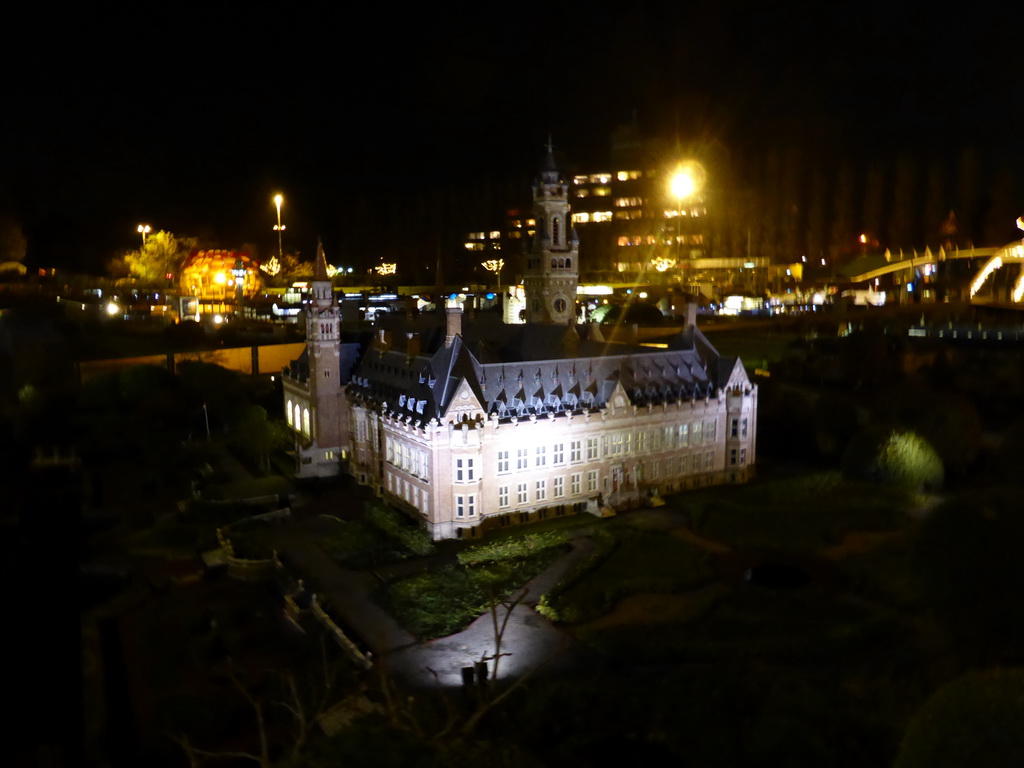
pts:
[469, 423]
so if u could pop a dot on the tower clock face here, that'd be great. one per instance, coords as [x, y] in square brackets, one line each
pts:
[559, 304]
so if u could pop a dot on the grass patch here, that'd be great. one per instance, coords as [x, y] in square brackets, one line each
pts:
[440, 602]
[798, 515]
[640, 561]
[383, 536]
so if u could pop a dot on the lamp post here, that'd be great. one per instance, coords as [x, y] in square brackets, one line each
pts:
[143, 229]
[279, 227]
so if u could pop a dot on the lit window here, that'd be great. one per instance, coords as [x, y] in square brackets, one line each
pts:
[474, 246]
[602, 191]
[580, 179]
[580, 218]
[627, 175]
[305, 421]
[288, 412]
[601, 216]
[494, 235]
[600, 178]
[476, 236]
[558, 454]
[628, 202]
[582, 192]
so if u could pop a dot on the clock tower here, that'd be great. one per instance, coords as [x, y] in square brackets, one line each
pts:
[552, 264]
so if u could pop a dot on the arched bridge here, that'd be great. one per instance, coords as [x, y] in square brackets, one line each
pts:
[1008, 254]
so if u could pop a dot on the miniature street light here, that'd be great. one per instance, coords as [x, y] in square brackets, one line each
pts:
[143, 229]
[279, 227]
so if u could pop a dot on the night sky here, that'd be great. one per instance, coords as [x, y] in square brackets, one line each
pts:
[191, 122]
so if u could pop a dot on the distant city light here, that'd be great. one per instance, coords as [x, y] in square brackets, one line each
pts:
[112, 309]
[387, 268]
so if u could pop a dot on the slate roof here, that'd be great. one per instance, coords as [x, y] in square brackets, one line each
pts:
[519, 370]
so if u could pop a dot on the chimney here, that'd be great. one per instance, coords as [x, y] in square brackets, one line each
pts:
[453, 314]
[691, 315]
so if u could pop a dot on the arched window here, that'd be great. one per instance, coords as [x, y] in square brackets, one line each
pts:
[568, 263]
[305, 421]
[288, 412]
[298, 413]
[554, 230]
[554, 263]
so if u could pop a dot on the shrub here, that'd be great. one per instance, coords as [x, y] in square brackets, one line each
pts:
[511, 547]
[890, 456]
[395, 526]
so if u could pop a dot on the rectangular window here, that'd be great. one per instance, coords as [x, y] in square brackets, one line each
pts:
[616, 444]
[542, 455]
[559, 487]
[503, 496]
[459, 476]
[465, 506]
[521, 496]
[654, 466]
[656, 440]
[502, 461]
[389, 448]
[558, 454]
[684, 435]
[575, 484]
[575, 452]
[710, 431]
[641, 441]
[542, 490]
[591, 448]
[709, 460]
[743, 428]
[696, 436]
[732, 457]
[521, 458]
[592, 481]
[734, 430]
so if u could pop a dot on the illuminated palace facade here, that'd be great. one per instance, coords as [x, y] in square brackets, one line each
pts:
[468, 423]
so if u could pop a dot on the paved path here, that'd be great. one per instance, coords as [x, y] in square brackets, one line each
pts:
[531, 641]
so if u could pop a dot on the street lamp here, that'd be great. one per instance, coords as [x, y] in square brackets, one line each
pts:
[143, 229]
[279, 227]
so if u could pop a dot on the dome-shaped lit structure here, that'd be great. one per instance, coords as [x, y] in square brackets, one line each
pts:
[217, 275]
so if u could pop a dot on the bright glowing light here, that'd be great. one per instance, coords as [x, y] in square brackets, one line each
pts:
[493, 265]
[220, 278]
[662, 264]
[594, 290]
[687, 179]
[863, 238]
[331, 270]
[272, 267]
[387, 268]
[217, 319]
[112, 309]
[643, 294]
[682, 184]
[990, 266]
